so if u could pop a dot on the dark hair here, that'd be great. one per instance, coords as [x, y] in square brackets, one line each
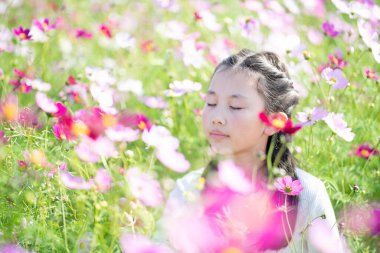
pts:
[276, 88]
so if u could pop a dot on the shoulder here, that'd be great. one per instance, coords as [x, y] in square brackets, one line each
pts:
[310, 183]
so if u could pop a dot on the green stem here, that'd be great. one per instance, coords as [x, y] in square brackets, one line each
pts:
[269, 159]
[287, 221]
[64, 221]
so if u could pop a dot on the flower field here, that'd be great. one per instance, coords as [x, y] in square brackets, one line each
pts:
[101, 112]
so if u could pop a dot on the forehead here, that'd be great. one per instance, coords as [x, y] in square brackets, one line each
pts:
[229, 83]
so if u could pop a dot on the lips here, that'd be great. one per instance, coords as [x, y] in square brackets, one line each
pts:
[218, 135]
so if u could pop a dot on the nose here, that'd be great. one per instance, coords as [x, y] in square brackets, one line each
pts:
[218, 120]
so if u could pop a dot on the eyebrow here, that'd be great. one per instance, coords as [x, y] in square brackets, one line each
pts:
[211, 92]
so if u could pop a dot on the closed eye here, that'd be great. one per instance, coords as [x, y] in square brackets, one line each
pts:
[236, 108]
[211, 105]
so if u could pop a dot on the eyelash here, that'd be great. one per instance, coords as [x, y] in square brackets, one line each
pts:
[233, 108]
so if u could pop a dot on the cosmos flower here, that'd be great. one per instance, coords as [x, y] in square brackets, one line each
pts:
[339, 126]
[144, 187]
[81, 33]
[9, 108]
[335, 78]
[365, 151]
[105, 30]
[279, 122]
[329, 30]
[287, 186]
[371, 74]
[309, 117]
[44, 25]
[102, 180]
[23, 34]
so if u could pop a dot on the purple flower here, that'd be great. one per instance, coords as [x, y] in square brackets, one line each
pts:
[103, 180]
[328, 28]
[335, 78]
[339, 126]
[365, 151]
[309, 117]
[247, 25]
[13, 248]
[23, 34]
[144, 187]
[3, 138]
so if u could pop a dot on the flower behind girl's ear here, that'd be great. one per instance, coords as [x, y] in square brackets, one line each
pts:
[280, 122]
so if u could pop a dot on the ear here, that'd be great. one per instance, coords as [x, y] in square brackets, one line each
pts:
[274, 118]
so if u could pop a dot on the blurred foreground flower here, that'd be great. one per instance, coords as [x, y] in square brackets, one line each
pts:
[140, 244]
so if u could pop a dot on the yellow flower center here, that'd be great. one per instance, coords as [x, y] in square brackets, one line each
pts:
[80, 128]
[10, 111]
[109, 120]
[231, 250]
[22, 35]
[333, 80]
[278, 123]
[365, 153]
[141, 125]
[44, 26]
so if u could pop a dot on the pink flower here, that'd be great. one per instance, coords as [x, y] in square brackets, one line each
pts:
[3, 138]
[144, 187]
[74, 182]
[287, 186]
[248, 25]
[371, 74]
[339, 126]
[81, 33]
[45, 103]
[9, 108]
[335, 78]
[105, 30]
[233, 177]
[28, 118]
[154, 102]
[103, 180]
[45, 25]
[140, 244]
[172, 159]
[329, 30]
[365, 151]
[337, 61]
[23, 34]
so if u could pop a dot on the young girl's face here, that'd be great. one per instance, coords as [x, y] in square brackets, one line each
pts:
[230, 116]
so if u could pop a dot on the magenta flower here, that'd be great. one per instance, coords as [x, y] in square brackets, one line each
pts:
[23, 34]
[44, 25]
[339, 126]
[13, 248]
[103, 180]
[81, 33]
[371, 74]
[329, 30]
[365, 151]
[309, 117]
[3, 138]
[287, 186]
[335, 78]
[337, 61]
[28, 118]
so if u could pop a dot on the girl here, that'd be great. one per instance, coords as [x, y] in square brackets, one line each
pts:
[242, 86]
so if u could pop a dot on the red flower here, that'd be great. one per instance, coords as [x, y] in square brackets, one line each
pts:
[365, 151]
[22, 33]
[280, 122]
[71, 80]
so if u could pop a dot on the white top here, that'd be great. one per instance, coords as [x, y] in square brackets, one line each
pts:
[313, 202]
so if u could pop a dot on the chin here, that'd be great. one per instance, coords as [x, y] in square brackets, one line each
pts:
[221, 150]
